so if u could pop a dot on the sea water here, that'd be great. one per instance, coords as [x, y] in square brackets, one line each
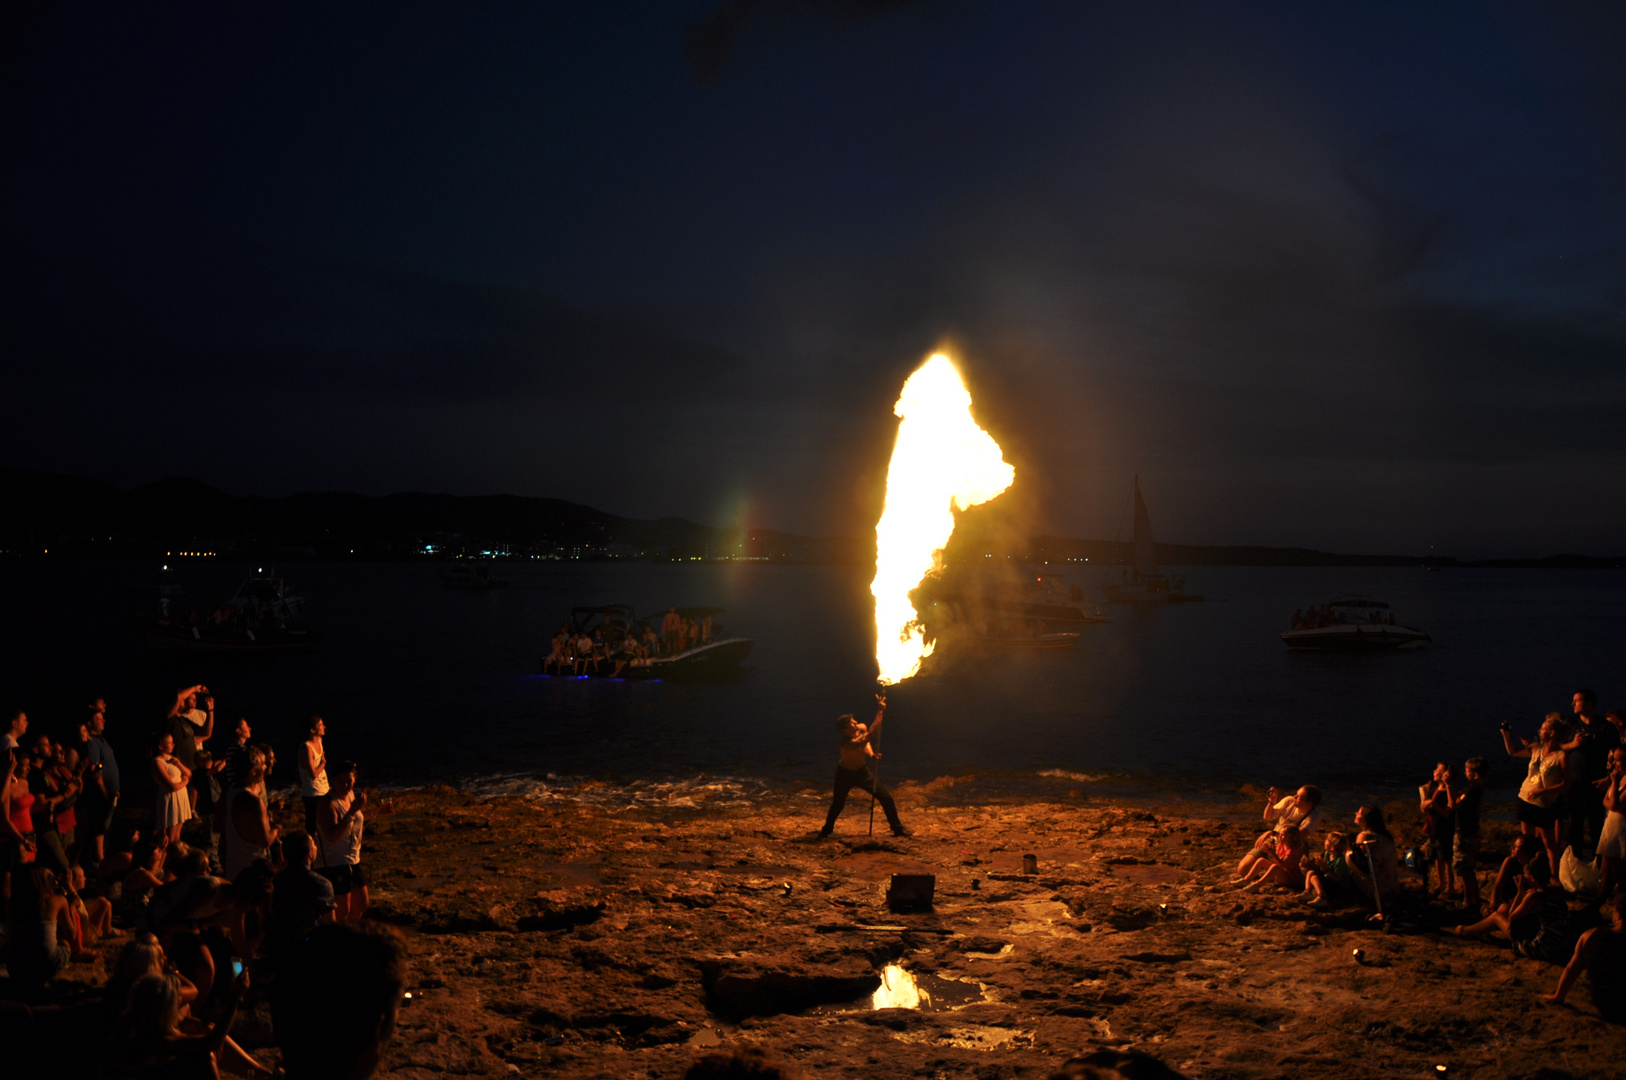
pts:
[422, 683]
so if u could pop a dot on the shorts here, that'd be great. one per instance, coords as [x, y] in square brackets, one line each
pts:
[1466, 856]
[94, 816]
[1539, 817]
[344, 877]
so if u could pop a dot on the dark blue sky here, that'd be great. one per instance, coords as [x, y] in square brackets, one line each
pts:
[1347, 278]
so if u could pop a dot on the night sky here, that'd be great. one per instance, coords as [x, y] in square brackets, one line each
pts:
[1348, 276]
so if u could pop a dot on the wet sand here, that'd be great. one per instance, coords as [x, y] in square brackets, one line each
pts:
[566, 940]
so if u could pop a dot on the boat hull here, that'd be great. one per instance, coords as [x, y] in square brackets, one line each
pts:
[172, 637]
[1377, 637]
[717, 660]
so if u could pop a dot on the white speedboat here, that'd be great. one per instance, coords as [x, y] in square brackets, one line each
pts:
[1352, 624]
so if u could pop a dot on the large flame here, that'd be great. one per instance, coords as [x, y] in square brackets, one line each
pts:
[942, 462]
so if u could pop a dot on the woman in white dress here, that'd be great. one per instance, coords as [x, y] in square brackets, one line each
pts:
[1612, 837]
[170, 777]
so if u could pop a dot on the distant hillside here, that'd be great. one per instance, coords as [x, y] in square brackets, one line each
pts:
[36, 507]
[76, 516]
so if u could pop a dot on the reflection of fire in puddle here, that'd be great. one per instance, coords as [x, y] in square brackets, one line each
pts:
[903, 989]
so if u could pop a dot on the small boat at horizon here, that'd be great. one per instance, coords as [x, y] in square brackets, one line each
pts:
[262, 616]
[1352, 624]
[477, 578]
[1142, 582]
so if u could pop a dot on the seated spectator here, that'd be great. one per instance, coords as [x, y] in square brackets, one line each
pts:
[1601, 953]
[1375, 872]
[1299, 810]
[1328, 873]
[39, 929]
[92, 916]
[1282, 867]
[300, 897]
[336, 1000]
[1534, 921]
[190, 905]
[1506, 886]
[148, 1041]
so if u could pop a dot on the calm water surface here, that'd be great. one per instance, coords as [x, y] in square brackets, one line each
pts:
[420, 682]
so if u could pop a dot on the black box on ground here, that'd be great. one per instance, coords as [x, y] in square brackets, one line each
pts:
[911, 892]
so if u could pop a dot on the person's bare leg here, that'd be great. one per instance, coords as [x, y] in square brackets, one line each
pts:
[1470, 889]
[234, 1058]
[1496, 920]
[358, 903]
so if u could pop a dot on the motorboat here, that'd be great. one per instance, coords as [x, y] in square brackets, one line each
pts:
[1352, 624]
[262, 616]
[1142, 582]
[479, 578]
[264, 592]
[616, 631]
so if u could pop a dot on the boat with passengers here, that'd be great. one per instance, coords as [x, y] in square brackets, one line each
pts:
[1352, 624]
[612, 642]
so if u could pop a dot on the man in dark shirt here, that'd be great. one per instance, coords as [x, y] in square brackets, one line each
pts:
[300, 898]
[101, 793]
[234, 761]
[1594, 738]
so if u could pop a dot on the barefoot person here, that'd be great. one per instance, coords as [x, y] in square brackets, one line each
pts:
[853, 771]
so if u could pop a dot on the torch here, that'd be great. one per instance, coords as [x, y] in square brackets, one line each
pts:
[942, 462]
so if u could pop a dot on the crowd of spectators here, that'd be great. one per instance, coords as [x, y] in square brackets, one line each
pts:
[1571, 812]
[213, 904]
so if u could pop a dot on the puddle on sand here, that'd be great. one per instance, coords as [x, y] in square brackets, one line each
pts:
[903, 989]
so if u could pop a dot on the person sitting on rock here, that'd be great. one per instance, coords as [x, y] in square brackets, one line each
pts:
[1282, 868]
[1601, 953]
[336, 1001]
[1300, 810]
[1329, 871]
[1506, 886]
[853, 770]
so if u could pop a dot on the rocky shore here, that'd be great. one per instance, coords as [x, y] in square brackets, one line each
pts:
[572, 940]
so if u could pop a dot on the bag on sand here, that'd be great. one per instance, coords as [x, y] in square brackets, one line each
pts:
[1577, 876]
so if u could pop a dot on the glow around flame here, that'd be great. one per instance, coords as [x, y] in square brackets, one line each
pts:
[942, 462]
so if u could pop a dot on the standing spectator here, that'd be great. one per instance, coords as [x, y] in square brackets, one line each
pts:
[313, 783]
[48, 796]
[1465, 803]
[1544, 784]
[190, 725]
[336, 1001]
[246, 833]
[300, 897]
[101, 792]
[16, 728]
[1594, 738]
[341, 821]
[16, 821]
[233, 762]
[170, 777]
[1435, 800]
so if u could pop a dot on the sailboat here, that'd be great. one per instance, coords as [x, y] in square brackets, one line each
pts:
[1141, 583]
